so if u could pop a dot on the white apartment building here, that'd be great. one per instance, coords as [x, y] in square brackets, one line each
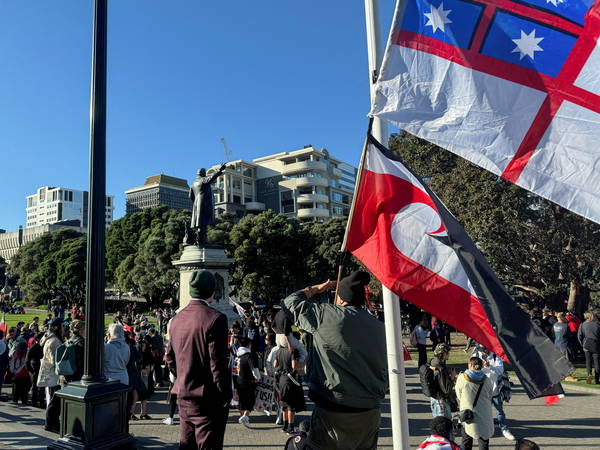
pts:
[307, 184]
[50, 205]
[235, 190]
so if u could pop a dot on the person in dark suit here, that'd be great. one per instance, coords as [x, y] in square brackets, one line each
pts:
[197, 355]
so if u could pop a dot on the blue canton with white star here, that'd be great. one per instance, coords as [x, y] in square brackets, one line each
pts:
[458, 18]
[572, 10]
[526, 43]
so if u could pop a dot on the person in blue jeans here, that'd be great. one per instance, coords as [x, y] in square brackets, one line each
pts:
[444, 380]
[493, 367]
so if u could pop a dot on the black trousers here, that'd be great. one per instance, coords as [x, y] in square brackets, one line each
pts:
[53, 412]
[21, 388]
[595, 358]
[467, 442]
[38, 397]
[422, 354]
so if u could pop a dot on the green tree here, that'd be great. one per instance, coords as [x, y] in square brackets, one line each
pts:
[148, 271]
[219, 232]
[268, 251]
[53, 264]
[539, 250]
[123, 235]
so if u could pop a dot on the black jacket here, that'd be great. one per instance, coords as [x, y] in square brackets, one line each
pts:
[589, 331]
[442, 376]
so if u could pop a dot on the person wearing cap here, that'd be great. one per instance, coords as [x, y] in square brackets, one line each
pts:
[444, 382]
[47, 377]
[348, 368]
[198, 357]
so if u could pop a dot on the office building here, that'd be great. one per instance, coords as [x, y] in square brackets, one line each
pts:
[158, 190]
[51, 205]
[306, 184]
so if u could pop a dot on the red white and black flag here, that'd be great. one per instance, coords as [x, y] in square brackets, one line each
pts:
[407, 238]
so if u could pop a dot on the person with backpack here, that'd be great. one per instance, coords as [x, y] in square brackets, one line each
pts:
[70, 355]
[18, 368]
[474, 393]
[437, 382]
[48, 377]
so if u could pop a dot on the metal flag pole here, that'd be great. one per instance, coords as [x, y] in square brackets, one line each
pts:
[93, 412]
[94, 295]
[391, 302]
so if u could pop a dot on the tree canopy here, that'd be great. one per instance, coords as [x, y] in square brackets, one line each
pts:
[140, 250]
[539, 250]
[52, 265]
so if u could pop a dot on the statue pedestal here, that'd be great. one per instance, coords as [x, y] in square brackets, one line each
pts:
[214, 260]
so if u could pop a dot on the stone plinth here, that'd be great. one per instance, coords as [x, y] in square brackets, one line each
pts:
[214, 260]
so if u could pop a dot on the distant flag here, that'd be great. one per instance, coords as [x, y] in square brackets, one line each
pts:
[512, 86]
[407, 238]
[3, 324]
[407, 356]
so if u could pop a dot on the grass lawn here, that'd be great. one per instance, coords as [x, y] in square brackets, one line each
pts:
[458, 360]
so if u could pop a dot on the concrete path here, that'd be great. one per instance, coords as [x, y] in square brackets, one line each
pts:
[572, 423]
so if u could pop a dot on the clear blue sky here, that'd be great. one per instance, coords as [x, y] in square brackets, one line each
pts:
[268, 75]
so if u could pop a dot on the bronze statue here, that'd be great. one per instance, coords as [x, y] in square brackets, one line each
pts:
[203, 210]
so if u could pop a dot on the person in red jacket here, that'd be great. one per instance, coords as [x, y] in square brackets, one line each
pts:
[197, 355]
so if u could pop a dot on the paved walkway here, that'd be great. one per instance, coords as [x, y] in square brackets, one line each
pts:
[572, 423]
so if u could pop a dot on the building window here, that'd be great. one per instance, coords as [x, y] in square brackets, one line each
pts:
[247, 199]
[287, 202]
[340, 198]
[237, 184]
[237, 199]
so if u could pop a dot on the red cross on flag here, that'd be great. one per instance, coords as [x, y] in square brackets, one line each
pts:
[512, 86]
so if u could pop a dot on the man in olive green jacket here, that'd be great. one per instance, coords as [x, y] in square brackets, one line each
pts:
[348, 368]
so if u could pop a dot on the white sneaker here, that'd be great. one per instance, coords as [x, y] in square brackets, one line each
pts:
[508, 435]
[245, 420]
[168, 421]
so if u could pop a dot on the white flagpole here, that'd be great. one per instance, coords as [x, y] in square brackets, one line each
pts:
[391, 302]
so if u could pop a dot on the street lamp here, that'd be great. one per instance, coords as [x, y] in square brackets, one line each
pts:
[94, 410]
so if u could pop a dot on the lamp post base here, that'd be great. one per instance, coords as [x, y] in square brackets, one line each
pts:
[94, 416]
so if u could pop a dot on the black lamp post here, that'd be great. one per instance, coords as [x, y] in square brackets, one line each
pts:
[94, 410]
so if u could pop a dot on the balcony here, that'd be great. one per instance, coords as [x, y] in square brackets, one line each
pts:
[311, 181]
[255, 206]
[304, 166]
[335, 173]
[312, 198]
[311, 213]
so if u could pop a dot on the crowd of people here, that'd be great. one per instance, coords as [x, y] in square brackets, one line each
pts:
[484, 387]
[306, 341]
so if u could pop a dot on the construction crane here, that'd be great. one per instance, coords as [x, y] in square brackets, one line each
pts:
[227, 150]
